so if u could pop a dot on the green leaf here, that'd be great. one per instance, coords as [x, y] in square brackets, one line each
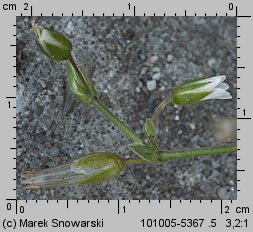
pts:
[149, 129]
[77, 84]
[145, 151]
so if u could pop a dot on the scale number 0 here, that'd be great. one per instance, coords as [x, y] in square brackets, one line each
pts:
[20, 209]
[230, 6]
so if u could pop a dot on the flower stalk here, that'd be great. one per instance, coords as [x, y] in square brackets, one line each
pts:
[159, 109]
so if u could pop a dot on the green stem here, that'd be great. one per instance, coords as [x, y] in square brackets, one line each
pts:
[101, 107]
[115, 120]
[159, 109]
[171, 155]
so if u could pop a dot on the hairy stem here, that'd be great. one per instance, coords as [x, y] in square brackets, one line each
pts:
[116, 121]
[172, 155]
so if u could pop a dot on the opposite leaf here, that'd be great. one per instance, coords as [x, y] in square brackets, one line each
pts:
[146, 152]
[77, 84]
[149, 129]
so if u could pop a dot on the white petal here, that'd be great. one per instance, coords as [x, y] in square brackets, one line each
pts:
[221, 78]
[218, 94]
[224, 86]
[215, 79]
[47, 37]
[211, 84]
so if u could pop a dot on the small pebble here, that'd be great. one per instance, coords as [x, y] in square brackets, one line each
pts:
[211, 62]
[192, 126]
[43, 83]
[224, 193]
[176, 117]
[111, 74]
[138, 89]
[157, 76]
[143, 57]
[199, 20]
[162, 88]
[143, 70]
[170, 58]
[151, 85]
[47, 145]
[19, 152]
[111, 46]
[153, 59]
[156, 70]
[69, 27]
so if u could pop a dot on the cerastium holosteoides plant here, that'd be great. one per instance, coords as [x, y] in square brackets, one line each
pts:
[97, 167]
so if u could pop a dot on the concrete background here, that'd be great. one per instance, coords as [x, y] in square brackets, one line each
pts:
[123, 55]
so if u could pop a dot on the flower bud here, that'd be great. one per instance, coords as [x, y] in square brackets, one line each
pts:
[77, 84]
[52, 43]
[201, 89]
[90, 169]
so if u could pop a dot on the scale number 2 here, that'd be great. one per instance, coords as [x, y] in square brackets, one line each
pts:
[25, 6]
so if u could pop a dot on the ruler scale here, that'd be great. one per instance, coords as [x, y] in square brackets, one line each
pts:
[125, 215]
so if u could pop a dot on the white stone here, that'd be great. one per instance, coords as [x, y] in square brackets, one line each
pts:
[69, 27]
[143, 70]
[170, 58]
[111, 74]
[19, 152]
[157, 76]
[156, 69]
[153, 59]
[151, 85]
[211, 62]
[192, 126]
[176, 118]
[138, 89]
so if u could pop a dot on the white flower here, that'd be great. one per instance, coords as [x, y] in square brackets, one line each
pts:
[216, 86]
[200, 90]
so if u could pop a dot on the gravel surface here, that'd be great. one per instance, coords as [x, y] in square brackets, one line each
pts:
[135, 63]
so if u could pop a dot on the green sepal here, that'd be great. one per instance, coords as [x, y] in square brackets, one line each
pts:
[145, 151]
[149, 129]
[181, 95]
[90, 84]
[189, 98]
[77, 84]
[107, 165]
